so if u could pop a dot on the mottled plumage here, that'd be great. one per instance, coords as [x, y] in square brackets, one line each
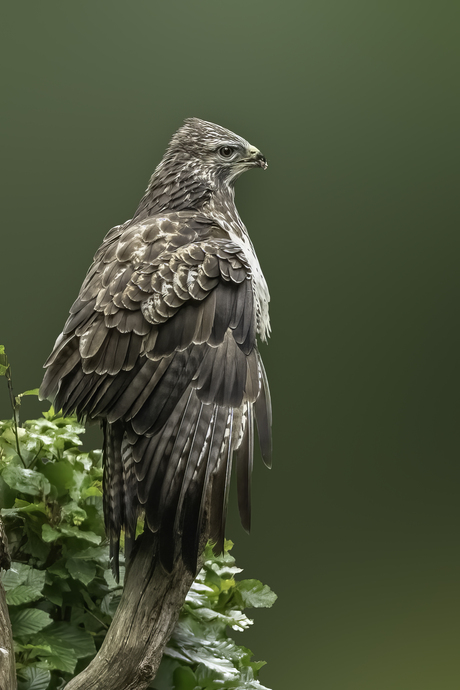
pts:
[160, 346]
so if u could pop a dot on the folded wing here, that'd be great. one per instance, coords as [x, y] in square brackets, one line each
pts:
[160, 346]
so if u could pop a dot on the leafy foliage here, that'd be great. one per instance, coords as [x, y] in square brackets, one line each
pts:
[215, 602]
[60, 590]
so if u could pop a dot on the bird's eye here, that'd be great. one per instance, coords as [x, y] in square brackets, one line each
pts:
[226, 151]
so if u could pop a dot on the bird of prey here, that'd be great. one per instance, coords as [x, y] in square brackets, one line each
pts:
[161, 348]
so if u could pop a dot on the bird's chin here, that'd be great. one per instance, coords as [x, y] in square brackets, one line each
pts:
[243, 166]
[257, 163]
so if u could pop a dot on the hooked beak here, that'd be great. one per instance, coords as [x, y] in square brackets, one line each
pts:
[257, 158]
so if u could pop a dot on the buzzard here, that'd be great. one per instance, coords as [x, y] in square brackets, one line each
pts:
[161, 348]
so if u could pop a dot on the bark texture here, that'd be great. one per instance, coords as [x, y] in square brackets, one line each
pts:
[7, 665]
[148, 611]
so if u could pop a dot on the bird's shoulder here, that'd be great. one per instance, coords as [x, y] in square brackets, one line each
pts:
[164, 235]
[161, 262]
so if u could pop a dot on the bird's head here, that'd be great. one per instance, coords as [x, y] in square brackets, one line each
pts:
[213, 151]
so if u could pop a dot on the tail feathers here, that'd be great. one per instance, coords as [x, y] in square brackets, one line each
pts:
[131, 503]
[171, 474]
[120, 509]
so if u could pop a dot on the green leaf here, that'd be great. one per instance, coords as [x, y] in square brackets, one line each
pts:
[58, 568]
[21, 574]
[36, 578]
[34, 649]
[23, 594]
[71, 512]
[52, 534]
[95, 553]
[70, 531]
[255, 594]
[164, 677]
[28, 621]
[91, 491]
[24, 507]
[33, 678]
[35, 545]
[25, 480]
[60, 475]
[53, 595]
[67, 636]
[49, 533]
[85, 571]
[3, 361]
[15, 576]
[64, 661]
[184, 678]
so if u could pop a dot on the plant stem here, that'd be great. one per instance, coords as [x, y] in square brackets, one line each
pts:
[98, 619]
[15, 407]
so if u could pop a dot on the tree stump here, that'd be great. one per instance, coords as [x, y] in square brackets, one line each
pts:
[148, 611]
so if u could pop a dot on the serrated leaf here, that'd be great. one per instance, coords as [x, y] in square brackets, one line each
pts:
[67, 636]
[16, 575]
[26, 481]
[33, 678]
[28, 621]
[255, 594]
[23, 594]
[85, 571]
[64, 661]
[36, 578]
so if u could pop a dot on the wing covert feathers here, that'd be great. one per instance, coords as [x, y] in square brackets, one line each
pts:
[160, 346]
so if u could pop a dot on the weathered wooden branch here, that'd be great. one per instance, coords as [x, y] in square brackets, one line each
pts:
[7, 665]
[148, 611]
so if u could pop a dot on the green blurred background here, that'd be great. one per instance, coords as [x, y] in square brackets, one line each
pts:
[356, 106]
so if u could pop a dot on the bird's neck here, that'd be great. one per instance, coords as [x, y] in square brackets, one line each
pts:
[172, 189]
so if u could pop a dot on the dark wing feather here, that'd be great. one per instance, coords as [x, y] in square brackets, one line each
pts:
[221, 487]
[244, 462]
[263, 414]
[161, 346]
